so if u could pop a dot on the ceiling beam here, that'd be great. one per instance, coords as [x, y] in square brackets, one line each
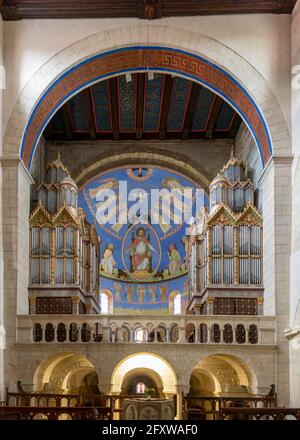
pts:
[140, 105]
[114, 99]
[168, 86]
[87, 95]
[216, 106]
[191, 108]
[145, 9]
[67, 122]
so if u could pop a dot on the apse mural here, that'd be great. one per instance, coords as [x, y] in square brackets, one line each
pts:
[143, 250]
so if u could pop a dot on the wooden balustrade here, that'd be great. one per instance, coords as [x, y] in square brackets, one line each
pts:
[54, 413]
[233, 413]
[28, 406]
[57, 400]
[210, 407]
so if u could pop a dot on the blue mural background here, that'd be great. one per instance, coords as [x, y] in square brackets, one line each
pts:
[152, 294]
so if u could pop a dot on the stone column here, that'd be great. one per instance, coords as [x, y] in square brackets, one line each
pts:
[180, 391]
[15, 214]
[210, 305]
[75, 305]
[260, 306]
[32, 306]
[275, 184]
[295, 251]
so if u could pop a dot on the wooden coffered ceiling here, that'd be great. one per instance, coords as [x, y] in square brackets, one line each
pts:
[144, 9]
[142, 106]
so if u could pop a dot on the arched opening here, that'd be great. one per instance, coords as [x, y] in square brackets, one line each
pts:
[66, 373]
[161, 59]
[138, 381]
[106, 302]
[157, 368]
[222, 375]
[175, 303]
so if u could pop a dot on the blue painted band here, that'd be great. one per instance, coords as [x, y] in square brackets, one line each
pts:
[195, 78]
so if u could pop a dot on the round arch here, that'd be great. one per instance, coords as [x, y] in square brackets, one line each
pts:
[140, 48]
[156, 157]
[141, 361]
[56, 371]
[245, 370]
[200, 372]
[151, 374]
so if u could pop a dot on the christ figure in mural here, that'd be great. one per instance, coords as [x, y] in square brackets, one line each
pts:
[140, 250]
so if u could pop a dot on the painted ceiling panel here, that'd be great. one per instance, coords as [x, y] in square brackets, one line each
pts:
[106, 110]
[101, 104]
[153, 100]
[127, 103]
[179, 99]
[225, 117]
[204, 103]
[77, 111]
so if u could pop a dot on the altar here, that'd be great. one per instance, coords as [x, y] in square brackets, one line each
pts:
[148, 409]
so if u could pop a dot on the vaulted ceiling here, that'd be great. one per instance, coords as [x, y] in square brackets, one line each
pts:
[149, 9]
[144, 106]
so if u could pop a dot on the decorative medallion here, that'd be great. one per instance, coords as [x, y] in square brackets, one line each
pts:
[141, 252]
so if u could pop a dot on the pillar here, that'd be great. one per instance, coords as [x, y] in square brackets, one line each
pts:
[294, 336]
[2, 324]
[32, 306]
[15, 212]
[210, 305]
[75, 305]
[181, 390]
[275, 183]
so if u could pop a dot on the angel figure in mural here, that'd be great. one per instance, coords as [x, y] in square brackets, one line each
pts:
[140, 251]
[110, 204]
[174, 259]
[108, 262]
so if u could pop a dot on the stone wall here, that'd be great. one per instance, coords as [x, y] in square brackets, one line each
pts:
[207, 157]
[295, 254]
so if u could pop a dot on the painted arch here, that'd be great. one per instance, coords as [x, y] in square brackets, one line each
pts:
[139, 48]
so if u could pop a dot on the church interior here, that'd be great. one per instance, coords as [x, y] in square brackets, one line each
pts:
[150, 211]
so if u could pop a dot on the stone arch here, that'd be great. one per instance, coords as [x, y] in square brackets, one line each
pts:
[147, 47]
[201, 373]
[153, 375]
[150, 361]
[150, 156]
[55, 372]
[245, 370]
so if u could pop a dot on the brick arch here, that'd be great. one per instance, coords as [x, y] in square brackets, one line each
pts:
[140, 48]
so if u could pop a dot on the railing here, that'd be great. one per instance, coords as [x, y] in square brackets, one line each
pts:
[260, 413]
[54, 413]
[192, 329]
[210, 407]
[57, 400]
[110, 406]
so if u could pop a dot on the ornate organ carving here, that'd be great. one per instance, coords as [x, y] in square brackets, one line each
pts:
[64, 248]
[225, 260]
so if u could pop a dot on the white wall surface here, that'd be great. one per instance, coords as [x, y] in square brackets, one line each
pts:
[264, 40]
